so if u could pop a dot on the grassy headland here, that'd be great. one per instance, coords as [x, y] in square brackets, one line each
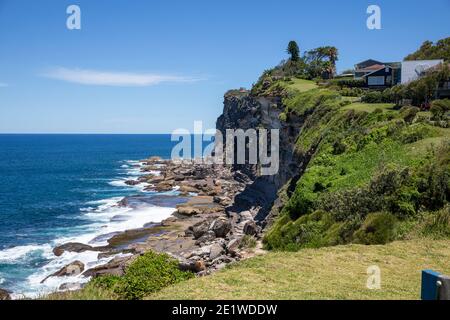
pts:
[338, 272]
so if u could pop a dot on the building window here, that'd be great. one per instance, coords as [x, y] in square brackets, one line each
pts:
[375, 81]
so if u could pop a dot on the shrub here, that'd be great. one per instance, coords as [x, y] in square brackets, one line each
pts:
[372, 97]
[351, 92]
[147, 274]
[439, 109]
[409, 113]
[248, 241]
[438, 224]
[378, 228]
[349, 83]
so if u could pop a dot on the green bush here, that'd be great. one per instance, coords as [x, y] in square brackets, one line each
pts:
[349, 83]
[351, 92]
[372, 97]
[409, 113]
[439, 109]
[378, 228]
[248, 242]
[438, 224]
[147, 274]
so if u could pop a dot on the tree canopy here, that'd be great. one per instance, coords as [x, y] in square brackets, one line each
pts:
[293, 50]
[429, 50]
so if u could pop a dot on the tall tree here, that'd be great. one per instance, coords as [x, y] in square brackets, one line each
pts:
[333, 56]
[293, 50]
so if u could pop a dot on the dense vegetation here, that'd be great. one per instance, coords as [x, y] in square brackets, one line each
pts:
[374, 177]
[319, 63]
[429, 50]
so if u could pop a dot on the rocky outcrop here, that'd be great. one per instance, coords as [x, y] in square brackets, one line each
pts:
[244, 111]
[72, 247]
[4, 295]
[72, 269]
[116, 267]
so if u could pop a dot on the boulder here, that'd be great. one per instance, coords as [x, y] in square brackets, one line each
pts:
[72, 247]
[132, 182]
[233, 246]
[250, 228]
[245, 215]
[206, 237]
[192, 265]
[72, 269]
[164, 186]
[222, 200]
[71, 286]
[4, 295]
[188, 189]
[115, 267]
[216, 251]
[199, 265]
[200, 228]
[221, 227]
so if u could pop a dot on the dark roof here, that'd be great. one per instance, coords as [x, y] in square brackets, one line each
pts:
[367, 63]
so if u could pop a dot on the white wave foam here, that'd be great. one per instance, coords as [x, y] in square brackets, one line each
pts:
[103, 215]
[11, 255]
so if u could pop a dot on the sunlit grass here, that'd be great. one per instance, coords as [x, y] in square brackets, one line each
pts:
[328, 273]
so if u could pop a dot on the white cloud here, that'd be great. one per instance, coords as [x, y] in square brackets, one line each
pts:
[109, 78]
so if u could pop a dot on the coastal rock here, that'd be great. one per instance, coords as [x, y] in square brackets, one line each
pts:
[206, 237]
[245, 215]
[72, 269]
[107, 254]
[188, 189]
[199, 266]
[132, 182]
[199, 229]
[71, 286]
[216, 251]
[199, 205]
[164, 186]
[223, 200]
[194, 266]
[233, 246]
[115, 267]
[4, 295]
[221, 227]
[72, 247]
[250, 228]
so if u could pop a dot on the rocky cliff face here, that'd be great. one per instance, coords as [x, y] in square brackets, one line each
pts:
[243, 111]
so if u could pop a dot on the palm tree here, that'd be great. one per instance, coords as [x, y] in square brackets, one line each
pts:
[332, 53]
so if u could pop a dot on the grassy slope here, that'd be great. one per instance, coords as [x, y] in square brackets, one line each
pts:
[368, 107]
[302, 85]
[327, 273]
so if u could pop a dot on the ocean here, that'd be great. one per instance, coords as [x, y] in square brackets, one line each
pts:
[64, 188]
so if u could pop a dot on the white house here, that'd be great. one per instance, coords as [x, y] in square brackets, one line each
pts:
[412, 70]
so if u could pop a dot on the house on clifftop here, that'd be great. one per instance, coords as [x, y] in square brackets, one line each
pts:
[378, 74]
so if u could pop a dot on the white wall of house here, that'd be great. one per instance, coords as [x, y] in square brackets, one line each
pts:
[411, 70]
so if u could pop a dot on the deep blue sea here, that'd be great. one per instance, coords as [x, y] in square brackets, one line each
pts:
[60, 188]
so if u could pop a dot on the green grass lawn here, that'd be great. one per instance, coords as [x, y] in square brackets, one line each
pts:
[327, 273]
[302, 85]
[368, 107]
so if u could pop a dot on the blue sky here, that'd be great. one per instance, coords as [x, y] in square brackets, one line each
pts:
[154, 66]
